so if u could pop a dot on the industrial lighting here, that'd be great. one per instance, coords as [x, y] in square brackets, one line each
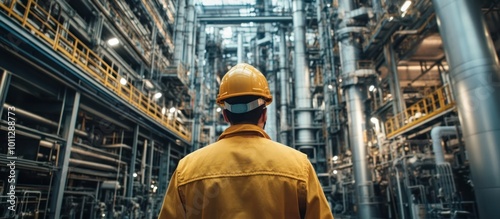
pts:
[123, 81]
[374, 120]
[113, 41]
[334, 171]
[371, 88]
[330, 86]
[335, 158]
[219, 109]
[390, 19]
[157, 95]
[163, 110]
[405, 6]
[172, 110]
[134, 175]
[152, 186]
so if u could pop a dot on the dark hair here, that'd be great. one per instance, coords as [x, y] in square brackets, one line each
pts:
[251, 117]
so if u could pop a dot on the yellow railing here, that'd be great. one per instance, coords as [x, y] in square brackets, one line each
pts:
[39, 22]
[431, 105]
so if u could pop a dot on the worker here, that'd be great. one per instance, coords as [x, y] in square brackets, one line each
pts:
[245, 174]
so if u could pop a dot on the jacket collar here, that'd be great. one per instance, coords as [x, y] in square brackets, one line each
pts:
[243, 129]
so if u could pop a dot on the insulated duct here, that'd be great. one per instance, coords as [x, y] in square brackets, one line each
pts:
[355, 96]
[284, 126]
[475, 73]
[436, 134]
[179, 33]
[302, 79]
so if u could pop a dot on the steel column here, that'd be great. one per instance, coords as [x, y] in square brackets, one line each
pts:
[61, 175]
[284, 102]
[4, 88]
[179, 33]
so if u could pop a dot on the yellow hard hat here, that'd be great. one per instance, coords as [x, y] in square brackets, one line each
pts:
[243, 80]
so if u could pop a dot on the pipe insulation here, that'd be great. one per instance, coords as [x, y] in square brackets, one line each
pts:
[475, 75]
[436, 134]
[302, 79]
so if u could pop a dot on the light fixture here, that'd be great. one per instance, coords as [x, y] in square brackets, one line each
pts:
[113, 41]
[334, 171]
[134, 175]
[123, 81]
[335, 158]
[219, 109]
[330, 86]
[172, 110]
[152, 186]
[163, 110]
[390, 18]
[157, 95]
[374, 120]
[405, 6]
[371, 88]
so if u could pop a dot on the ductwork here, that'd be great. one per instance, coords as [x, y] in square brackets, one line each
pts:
[302, 79]
[475, 72]
[436, 134]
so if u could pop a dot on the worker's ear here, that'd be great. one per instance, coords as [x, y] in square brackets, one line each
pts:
[225, 116]
[263, 117]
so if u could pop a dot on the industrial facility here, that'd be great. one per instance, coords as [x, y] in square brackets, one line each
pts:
[395, 102]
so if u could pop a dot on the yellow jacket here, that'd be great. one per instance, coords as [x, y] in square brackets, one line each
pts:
[245, 175]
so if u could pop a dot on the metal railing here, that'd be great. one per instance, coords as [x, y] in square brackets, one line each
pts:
[39, 22]
[428, 107]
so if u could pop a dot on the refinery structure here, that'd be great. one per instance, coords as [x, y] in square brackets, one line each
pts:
[395, 102]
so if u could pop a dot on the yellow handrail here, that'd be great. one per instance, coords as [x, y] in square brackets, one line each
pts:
[33, 17]
[431, 105]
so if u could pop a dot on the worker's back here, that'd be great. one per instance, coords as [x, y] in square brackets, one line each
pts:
[245, 175]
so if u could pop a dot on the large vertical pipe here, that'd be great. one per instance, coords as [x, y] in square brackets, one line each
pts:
[214, 105]
[326, 77]
[131, 171]
[475, 74]
[143, 161]
[284, 125]
[199, 107]
[398, 104]
[355, 97]
[179, 33]
[57, 192]
[189, 30]
[302, 78]
[241, 49]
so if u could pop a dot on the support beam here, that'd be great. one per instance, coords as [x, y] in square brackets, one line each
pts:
[70, 114]
[130, 185]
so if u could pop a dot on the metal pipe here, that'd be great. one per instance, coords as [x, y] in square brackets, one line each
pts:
[475, 72]
[355, 97]
[90, 154]
[199, 108]
[284, 126]
[26, 114]
[150, 169]
[400, 194]
[179, 33]
[241, 49]
[4, 87]
[302, 77]
[190, 34]
[143, 160]
[436, 134]
[76, 162]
